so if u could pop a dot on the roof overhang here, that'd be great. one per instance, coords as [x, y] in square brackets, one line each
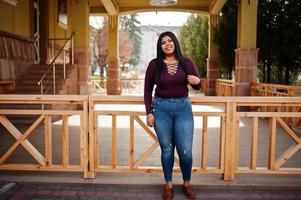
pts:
[122, 7]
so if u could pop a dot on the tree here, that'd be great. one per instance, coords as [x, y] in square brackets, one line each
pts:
[193, 39]
[225, 36]
[131, 25]
[279, 40]
[101, 51]
[126, 48]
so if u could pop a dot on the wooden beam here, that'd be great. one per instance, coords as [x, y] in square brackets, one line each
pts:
[146, 154]
[110, 7]
[114, 142]
[204, 142]
[25, 143]
[230, 139]
[286, 155]
[272, 146]
[132, 131]
[216, 6]
[147, 129]
[21, 139]
[65, 141]
[48, 140]
[254, 141]
[222, 142]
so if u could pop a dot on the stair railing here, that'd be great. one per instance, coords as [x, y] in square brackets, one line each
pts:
[46, 82]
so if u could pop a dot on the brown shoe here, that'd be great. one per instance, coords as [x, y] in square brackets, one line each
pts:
[167, 193]
[189, 192]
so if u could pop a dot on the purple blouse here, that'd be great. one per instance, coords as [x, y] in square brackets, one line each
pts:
[171, 86]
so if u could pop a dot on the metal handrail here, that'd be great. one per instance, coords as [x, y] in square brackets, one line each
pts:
[52, 64]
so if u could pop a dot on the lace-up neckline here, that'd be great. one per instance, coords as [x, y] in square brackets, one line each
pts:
[172, 68]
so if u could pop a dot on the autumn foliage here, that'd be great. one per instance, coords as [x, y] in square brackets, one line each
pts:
[101, 51]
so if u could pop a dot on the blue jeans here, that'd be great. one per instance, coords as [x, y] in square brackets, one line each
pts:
[174, 127]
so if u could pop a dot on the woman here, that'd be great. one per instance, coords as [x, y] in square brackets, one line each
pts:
[170, 113]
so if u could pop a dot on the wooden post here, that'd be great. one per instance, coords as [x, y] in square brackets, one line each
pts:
[65, 141]
[84, 147]
[222, 143]
[254, 140]
[204, 142]
[132, 129]
[48, 140]
[236, 146]
[114, 142]
[230, 141]
[272, 146]
[93, 130]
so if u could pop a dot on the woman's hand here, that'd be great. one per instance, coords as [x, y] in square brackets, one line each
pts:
[150, 120]
[193, 80]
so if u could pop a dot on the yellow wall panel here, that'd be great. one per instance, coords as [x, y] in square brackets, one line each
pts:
[22, 19]
[79, 20]
[7, 17]
[17, 19]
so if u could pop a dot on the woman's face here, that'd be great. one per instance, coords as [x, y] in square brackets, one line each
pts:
[167, 45]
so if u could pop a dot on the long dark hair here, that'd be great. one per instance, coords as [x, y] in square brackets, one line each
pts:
[160, 55]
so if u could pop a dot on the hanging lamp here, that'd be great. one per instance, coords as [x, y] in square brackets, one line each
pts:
[162, 3]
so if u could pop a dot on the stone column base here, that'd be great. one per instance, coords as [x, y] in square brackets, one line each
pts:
[114, 86]
[212, 75]
[82, 60]
[246, 63]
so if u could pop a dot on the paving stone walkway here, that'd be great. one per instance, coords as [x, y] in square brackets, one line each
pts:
[51, 191]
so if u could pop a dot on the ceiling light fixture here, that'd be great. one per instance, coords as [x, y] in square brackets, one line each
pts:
[11, 2]
[162, 2]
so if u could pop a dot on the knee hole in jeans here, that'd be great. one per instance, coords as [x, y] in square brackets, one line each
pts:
[185, 154]
[168, 149]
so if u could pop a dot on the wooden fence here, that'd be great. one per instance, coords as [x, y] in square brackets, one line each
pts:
[55, 107]
[130, 86]
[129, 148]
[264, 89]
[224, 87]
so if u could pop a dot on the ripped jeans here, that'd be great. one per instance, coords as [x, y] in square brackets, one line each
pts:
[174, 127]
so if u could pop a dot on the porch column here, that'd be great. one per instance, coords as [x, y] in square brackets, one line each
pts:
[80, 23]
[246, 54]
[212, 60]
[113, 82]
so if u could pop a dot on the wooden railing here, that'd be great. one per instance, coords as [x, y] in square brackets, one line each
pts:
[130, 86]
[228, 135]
[138, 162]
[42, 153]
[224, 87]
[264, 89]
[47, 82]
[116, 139]
[275, 163]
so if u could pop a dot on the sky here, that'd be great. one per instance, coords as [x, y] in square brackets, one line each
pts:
[153, 18]
[163, 18]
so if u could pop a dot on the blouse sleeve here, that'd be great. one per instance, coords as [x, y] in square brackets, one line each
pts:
[194, 72]
[149, 83]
